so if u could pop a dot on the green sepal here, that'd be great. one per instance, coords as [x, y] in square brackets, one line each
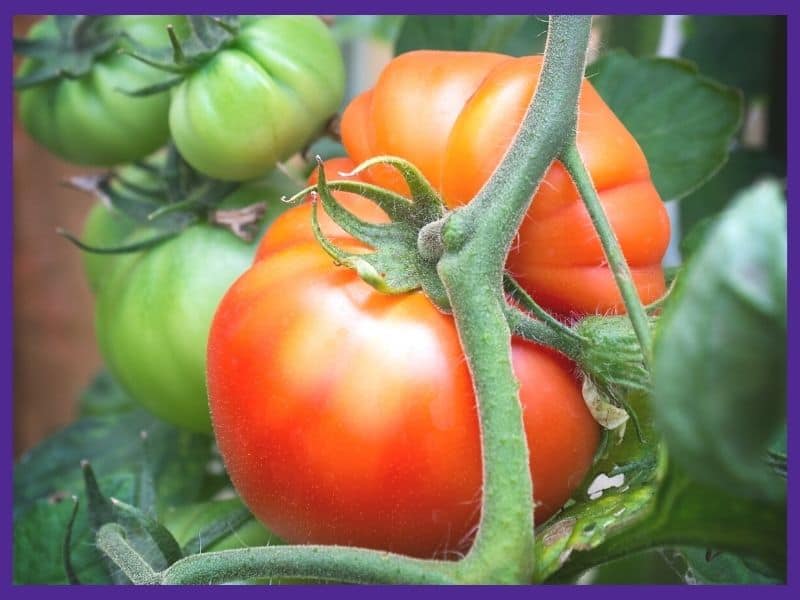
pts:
[66, 553]
[71, 55]
[395, 266]
[207, 35]
[427, 206]
[611, 354]
[613, 367]
[173, 197]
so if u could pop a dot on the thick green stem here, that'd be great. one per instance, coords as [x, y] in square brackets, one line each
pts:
[328, 563]
[503, 548]
[619, 267]
[476, 240]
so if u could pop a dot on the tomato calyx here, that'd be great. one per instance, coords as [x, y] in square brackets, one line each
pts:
[395, 265]
[174, 198]
[80, 40]
[207, 35]
[613, 366]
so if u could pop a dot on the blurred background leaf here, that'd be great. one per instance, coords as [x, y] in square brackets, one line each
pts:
[719, 367]
[683, 121]
[518, 35]
[638, 34]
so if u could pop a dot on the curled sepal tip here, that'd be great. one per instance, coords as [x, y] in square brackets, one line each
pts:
[428, 206]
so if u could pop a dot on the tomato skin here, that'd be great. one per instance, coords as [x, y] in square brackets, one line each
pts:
[261, 99]
[153, 315]
[453, 114]
[88, 120]
[346, 416]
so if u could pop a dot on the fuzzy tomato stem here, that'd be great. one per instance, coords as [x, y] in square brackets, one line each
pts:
[619, 267]
[328, 563]
[476, 241]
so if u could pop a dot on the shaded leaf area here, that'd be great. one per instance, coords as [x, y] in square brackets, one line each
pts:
[653, 567]
[517, 35]
[737, 50]
[705, 567]
[637, 34]
[39, 531]
[743, 168]
[683, 121]
[722, 339]
[109, 436]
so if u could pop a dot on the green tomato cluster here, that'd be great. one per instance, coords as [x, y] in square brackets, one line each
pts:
[255, 101]
[89, 120]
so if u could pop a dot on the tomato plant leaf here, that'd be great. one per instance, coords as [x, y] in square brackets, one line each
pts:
[112, 443]
[720, 349]
[104, 397]
[518, 35]
[683, 121]
[40, 529]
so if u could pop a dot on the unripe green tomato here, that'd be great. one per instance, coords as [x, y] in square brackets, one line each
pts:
[154, 307]
[259, 100]
[153, 315]
[88, 120]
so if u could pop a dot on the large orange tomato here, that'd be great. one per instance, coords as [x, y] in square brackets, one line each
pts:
[454, 114]
[346, 416]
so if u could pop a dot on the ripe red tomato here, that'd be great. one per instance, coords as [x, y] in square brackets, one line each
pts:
[346, 416]
[454, 114]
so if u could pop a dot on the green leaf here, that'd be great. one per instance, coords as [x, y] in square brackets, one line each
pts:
[112, 443]
[518, 35]
[724, 568]
[743, 168]
[737, 50]
[720, 349]
[683, 121]
[40, 529]
[108, 435]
